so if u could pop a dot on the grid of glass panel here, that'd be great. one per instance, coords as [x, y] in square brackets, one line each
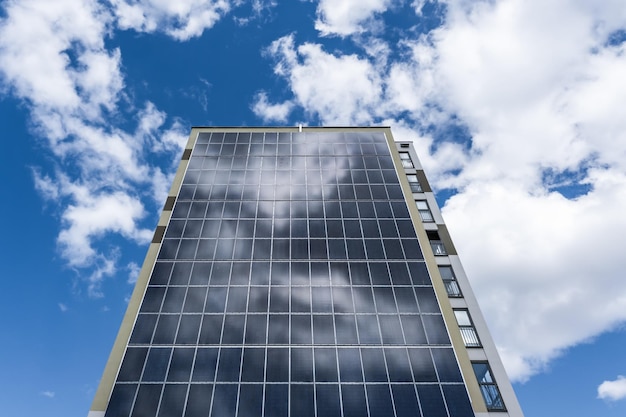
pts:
[290, 282]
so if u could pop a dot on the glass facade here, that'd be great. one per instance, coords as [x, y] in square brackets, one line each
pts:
[290, 282]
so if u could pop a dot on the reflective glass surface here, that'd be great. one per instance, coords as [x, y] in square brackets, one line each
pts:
[290, 282]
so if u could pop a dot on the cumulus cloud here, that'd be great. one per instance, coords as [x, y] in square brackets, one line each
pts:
[337, 89]
[269, 112]
[54, 58]
[347, 17]
[538, 172]
[613, 390]
[182, 19]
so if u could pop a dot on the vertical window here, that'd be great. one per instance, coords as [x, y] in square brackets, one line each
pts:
[449, 280]
[468, 332]
[436, 244]
[425, 214]
[488, 387]
[406, 160]
[416, 187]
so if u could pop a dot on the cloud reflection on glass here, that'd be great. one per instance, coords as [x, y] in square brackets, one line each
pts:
[297, 287]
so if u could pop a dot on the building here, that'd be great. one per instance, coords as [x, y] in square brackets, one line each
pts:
[302, 272]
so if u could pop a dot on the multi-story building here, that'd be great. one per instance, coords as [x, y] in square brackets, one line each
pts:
[302, 272]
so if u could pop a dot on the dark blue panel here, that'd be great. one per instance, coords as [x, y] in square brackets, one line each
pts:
[435, 330]
[250, 400]
[188, 329]
[391, 330]
[144, 327]
[279, 299]
[368, 329]
[256, 328]
[301, 364]
[300, 299]
[419, 273]
[224, 400]
[422, 365]
[406, 300]
[405, 401]
[325, 365]
[258, 299]
[278, 332]
[194, 302]
[431, 401]
[399, 273]
[302, 401]
[276, 400]
[233, 329]
[327, 400]
[380, 274]
[253, 369]
[457, 401]
[427, 300]
[174, 298]
[166, 329]
[237, 300]
[147, 400]
[216, 300]
[229, 365]
[446, 364]
[199, 400]
[385, 301]
[398, 365]
[346, 329]
[156, 364]
[323, 331]
[211, 330]
[374, 365]
[379, 400]
[350, 365]
[173, 400]
[277, 365]
[363, 300]
[322, 301]
[180, 367]
[121, 400]
[133, 364]
[204, 366]
[240, 274]
[161, 273]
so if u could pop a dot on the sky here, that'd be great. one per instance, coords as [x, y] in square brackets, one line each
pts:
[517, 109]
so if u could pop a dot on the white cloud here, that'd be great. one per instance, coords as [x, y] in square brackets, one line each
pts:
[94, 215]
[613, 390]
[541, 97]
[269, 112]
[63, 307]
[54, 58]
[182, 19]
[347, 17]
[339, 89]
[133, 272]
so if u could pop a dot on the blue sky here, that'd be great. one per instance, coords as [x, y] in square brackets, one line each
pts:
[515, 107]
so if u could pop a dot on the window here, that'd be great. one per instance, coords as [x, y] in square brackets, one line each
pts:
[449, 280]
[425, 214]
[438, 248]
[468, 332]
[436, 244]
[406, 160]
[488, 387]
[416, 187]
